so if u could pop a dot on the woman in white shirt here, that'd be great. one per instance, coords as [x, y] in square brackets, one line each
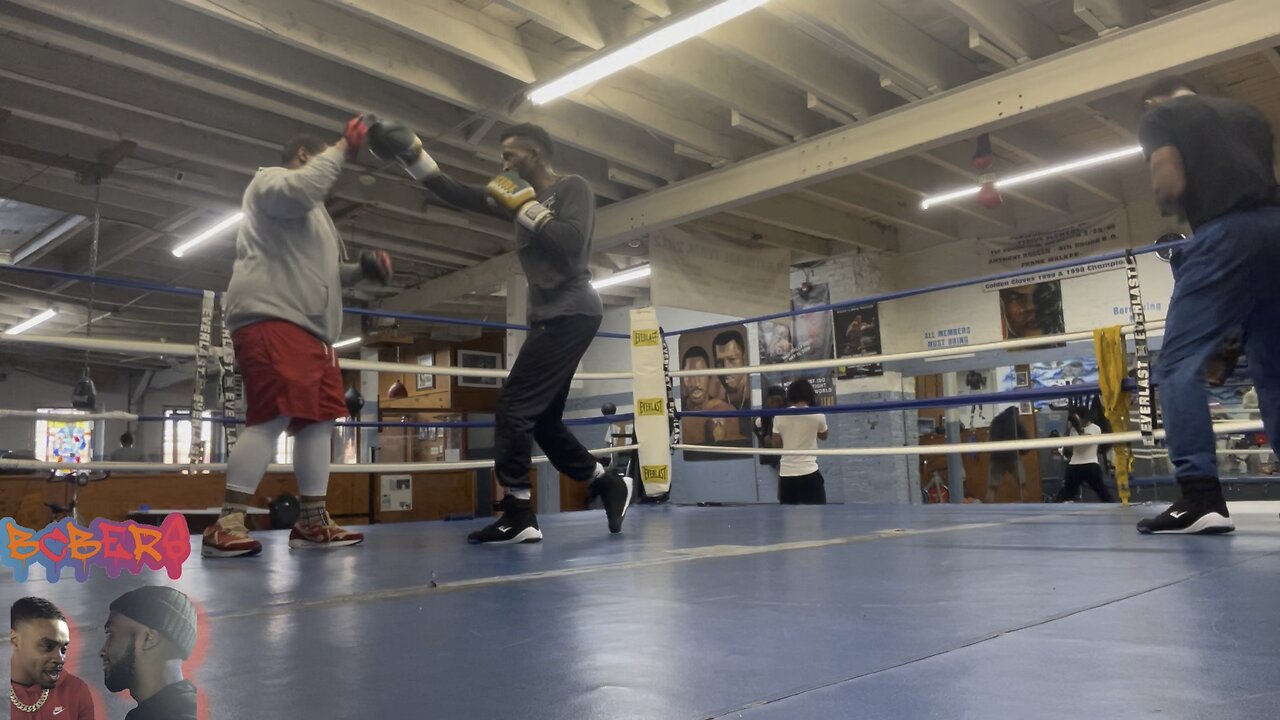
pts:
[1083, 466]
[799, 480]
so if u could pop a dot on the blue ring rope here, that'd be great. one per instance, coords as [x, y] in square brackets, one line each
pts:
[192, 292]
[594, 420]
[884, 297]
[1007, 396]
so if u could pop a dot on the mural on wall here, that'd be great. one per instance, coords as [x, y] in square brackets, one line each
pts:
[1031, 310]
[858, 333]
[725, 347]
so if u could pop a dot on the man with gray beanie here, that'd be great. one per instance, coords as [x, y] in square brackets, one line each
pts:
[150, 631]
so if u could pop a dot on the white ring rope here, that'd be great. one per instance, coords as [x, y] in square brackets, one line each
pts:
[66, 417]
[339, 469]
[179, 350]
[899, 357]
[1230, 428]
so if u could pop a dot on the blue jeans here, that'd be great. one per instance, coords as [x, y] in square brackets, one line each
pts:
[1227, 277]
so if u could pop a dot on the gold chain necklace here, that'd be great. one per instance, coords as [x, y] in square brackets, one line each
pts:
[28, 708]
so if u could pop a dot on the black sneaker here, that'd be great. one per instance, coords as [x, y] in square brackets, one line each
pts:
[614, 491]
[518, 524]
[1191, 517]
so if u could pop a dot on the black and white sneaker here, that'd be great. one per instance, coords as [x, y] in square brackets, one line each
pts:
[518, 524]
[614, 491]
[1190, 517]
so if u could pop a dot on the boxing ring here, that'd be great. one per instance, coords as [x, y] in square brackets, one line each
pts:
[750, 611]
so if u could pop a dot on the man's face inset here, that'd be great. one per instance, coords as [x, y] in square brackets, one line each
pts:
[730, 355]
[695, 387]
[40, 650]
[119, 656]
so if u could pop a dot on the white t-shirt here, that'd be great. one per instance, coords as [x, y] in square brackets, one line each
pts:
[1085, 454]
[799, 432]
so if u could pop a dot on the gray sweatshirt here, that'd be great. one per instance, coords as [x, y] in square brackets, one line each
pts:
[289, 257]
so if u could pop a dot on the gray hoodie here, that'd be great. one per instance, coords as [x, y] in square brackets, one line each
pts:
[289, 258]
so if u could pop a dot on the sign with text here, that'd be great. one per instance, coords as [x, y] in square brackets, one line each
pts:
[1073, 242]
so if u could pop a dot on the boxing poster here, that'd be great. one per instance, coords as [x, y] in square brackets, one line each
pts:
[800, 338]
[722, 348]
[1031, 310]
[858, 333]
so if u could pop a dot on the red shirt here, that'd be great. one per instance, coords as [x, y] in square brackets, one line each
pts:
[69, 699]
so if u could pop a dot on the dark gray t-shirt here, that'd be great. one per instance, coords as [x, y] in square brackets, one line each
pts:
[1227, 148]
[554, 259]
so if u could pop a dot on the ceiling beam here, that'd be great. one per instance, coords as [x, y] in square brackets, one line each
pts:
[1009, 25]
[956, 159]
[811, 218]
[802, 246]
[1106, 16]
[474, 35]
[789, 56]
[882, 40]
[860, 195]
[285, 46]
[1195, 38]
[579, 20]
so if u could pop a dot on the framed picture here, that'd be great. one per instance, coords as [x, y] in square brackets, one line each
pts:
[425, 381]
[482, 360]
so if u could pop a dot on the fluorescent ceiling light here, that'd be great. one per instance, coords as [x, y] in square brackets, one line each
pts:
[648, 45]
[231, 220]
[1037, 174]
[622, 277]
[348, 341]
[27, 325]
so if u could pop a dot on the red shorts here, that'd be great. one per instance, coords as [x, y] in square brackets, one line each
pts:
[288, 371]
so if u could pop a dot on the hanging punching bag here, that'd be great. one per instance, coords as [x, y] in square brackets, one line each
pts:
[355, 402]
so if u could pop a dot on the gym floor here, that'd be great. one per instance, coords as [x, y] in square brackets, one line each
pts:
[1034, 611]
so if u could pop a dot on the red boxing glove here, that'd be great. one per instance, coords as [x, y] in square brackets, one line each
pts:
[376, 265]
[355, 132]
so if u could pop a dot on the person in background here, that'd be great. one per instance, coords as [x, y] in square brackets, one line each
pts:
[800, 482]
[1083, 465]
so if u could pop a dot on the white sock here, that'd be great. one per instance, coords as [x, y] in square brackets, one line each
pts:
[312, 514]
[520, 493]
[312, 448]
[253, 451]
[599, 471]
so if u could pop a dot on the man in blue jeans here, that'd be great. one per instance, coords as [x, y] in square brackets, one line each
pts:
[1212, 160]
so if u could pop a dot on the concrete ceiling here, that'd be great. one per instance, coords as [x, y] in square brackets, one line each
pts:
[163, 109]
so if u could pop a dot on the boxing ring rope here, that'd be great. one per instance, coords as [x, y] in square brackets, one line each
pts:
[141, 347]
[883, 359]
[1229, 428]
[926, 289]
[336, 468]
[193, 292]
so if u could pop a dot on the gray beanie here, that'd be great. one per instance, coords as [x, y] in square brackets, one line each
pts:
[164, 610]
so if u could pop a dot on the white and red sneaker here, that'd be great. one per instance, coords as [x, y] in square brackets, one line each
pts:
[228, 537]
[329, 534]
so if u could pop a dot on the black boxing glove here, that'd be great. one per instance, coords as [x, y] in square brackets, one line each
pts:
[389, 139]
[376, 265]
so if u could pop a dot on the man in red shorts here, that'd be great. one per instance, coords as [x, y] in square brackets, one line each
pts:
[284, 309]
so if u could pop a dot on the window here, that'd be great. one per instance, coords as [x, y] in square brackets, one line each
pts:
[63, 442]
[177, 437]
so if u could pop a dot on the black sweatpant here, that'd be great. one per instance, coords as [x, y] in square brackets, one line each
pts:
[802, 489]
[532, 402]
[1087, 473]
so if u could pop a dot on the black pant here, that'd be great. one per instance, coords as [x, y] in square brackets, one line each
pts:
[532, 402]
[802, 489]
[1087, 473]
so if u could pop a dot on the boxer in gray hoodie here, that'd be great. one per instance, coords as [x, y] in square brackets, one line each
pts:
[284, 310]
